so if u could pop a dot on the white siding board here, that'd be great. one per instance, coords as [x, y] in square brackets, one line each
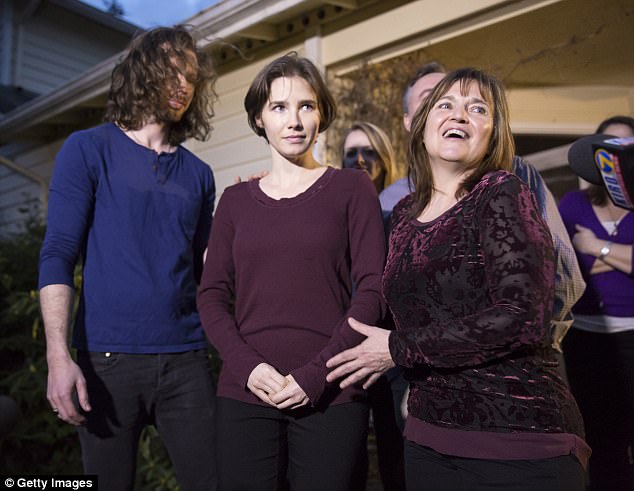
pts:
[230, 103]
[17, 191]
[231, 129]
[12, 182]
[225, 178]
[23, 197]
[40, 58]
[232, 154]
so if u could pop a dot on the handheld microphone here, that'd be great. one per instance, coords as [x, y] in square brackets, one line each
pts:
[607, 161]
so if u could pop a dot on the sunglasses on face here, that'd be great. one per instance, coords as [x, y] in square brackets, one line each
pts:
[351, 156]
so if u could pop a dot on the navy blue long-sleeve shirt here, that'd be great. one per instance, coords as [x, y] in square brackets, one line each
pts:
[140, 223]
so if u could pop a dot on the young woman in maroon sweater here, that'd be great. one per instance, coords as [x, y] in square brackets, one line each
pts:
[276, 291]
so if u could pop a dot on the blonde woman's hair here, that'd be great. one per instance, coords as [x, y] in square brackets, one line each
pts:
[380, 143]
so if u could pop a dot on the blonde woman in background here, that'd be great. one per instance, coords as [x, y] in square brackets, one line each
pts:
[367, 147]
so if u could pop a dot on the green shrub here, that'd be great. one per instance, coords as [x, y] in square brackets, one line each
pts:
[40, 443]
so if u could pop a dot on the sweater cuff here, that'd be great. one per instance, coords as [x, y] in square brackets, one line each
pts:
[312, 380]
[241, 369]
[56, 272]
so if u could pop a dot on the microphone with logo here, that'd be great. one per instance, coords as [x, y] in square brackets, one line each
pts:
[607, 161]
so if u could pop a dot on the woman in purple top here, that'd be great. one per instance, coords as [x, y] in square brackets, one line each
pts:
[469, 279]
[599, 350]
[276, 291]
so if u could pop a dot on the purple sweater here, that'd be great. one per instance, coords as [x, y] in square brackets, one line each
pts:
[472, 294]
[606, 293]
[277, 284]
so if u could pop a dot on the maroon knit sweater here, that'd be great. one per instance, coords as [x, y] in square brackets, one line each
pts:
[472, 294]
[277, 286]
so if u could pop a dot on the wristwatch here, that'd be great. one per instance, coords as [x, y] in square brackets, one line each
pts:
[605, 250]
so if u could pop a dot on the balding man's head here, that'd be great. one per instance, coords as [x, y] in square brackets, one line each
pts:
[418, 88]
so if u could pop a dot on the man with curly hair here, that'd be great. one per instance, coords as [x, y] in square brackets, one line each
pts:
[136, 207]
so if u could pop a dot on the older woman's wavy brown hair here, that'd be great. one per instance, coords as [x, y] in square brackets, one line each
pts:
[149, 70]
[500, 150]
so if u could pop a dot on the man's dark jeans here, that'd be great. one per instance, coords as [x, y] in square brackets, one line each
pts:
[173, 391]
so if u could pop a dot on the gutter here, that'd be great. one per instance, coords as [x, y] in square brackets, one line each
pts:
[91, 84]
[227, 18]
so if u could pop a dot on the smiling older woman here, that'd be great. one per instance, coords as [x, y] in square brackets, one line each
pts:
[469, 279]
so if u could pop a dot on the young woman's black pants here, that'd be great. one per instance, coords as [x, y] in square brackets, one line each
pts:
[261, 448]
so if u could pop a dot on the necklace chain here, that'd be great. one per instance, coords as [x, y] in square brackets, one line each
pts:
[616, 221]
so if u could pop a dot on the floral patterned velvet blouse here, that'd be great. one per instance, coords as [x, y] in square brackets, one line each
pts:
[471, 293]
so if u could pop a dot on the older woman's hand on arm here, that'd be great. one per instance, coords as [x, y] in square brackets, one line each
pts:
[366, 361]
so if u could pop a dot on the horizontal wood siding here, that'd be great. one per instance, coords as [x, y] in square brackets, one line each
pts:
[18, 192]
[57, 46]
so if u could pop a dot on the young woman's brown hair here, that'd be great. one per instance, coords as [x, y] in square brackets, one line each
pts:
[289, 65]
[141, 83]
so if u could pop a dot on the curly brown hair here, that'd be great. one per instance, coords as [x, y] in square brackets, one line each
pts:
[141, 79]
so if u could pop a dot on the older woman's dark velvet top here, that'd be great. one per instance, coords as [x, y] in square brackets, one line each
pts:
[471, 293]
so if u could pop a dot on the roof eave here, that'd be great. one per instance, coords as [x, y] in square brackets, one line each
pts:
[216, 23]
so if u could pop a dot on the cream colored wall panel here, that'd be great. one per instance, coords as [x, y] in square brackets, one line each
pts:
[397, 24]
[230, 103]
[235, 153]
[227, 131]
[244, 76]
[226, 177]
[549, 159]
[566, 110]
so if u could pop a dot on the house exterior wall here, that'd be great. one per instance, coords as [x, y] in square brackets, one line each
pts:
[17, 192]
[7, 36]
[434, 27]
[54, 46]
